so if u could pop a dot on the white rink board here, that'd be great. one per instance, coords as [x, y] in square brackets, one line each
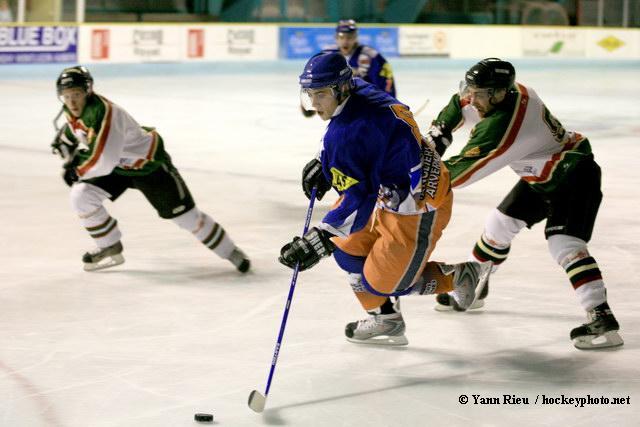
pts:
[135, 43]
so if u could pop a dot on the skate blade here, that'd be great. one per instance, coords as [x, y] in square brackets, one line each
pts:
[382, 340]
[111, 261]
[257, 401]
[592, 342]
[444, 308]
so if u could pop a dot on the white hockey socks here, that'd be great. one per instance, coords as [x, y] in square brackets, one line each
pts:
[207, 231]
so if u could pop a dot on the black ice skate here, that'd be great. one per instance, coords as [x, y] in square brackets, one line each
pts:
[240, 260]
[601, 332]
[100, 258]
[444, 302]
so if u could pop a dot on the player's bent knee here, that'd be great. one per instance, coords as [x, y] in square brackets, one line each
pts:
[86, 198]
[566, 249]
[502, 228]
[349, 263]
[188, 220]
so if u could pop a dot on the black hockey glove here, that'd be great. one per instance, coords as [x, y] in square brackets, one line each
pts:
[69, 173]
[307, 250]
[307, 113]
[439, 137]
[312, 176]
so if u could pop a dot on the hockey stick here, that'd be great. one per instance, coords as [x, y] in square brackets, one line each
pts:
[422, 107]
[257, 400]
[65, 149]
[56, 118]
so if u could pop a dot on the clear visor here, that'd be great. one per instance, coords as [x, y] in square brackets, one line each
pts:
[70, 95]
[310, 98]
[468, 91]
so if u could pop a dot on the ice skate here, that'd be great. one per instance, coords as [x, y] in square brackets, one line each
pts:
[469, 279]
[445, 302]
[239, 260]
[380, 329]
[101, 258]
[600, 332]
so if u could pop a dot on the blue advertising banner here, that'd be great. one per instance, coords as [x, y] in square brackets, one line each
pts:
[302, 42]
[28, 45]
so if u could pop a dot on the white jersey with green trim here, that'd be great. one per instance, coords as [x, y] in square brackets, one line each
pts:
[520, 133]
[109, 138]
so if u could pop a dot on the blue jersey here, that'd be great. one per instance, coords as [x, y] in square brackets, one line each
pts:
[368, 64]
[371, 148]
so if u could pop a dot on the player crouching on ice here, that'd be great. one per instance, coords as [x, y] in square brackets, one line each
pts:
[559, 182]
[106, 152]
[395, 200]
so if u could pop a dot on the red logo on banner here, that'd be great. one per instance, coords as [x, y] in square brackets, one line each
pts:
[195, 43]
[100, 44]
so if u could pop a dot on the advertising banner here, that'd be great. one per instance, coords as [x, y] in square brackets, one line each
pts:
[613, 43]
[552, 42]
[134, 43]
[242, 42]
[38, 44]
[302, 42]
[423, 41]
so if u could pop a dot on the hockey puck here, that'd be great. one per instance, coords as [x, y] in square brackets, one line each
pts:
[203, 418]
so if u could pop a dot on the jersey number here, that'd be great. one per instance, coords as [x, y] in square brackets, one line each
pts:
[556, 128]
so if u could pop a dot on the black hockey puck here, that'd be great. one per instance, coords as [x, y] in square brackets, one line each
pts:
[203, 418]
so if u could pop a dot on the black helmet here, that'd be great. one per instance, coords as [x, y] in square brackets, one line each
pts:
[491, 73]
[77, 76]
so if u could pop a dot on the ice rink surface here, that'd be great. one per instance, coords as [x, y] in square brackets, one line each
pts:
[175, 330]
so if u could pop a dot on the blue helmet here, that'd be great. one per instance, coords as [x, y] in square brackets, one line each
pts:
[325, 69]
[346, 26]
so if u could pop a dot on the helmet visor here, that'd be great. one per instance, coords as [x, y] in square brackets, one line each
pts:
[309, 97]
[468, 91]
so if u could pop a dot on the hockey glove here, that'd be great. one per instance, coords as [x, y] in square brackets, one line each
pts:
[69, 173]
[70, 176]
[62, 145]
[307, 113]
[439, 137]
[307, 250]
[312, 176]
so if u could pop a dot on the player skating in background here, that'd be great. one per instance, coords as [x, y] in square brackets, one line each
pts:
[366, 62]
[559, 182]
[395, 200]
[106, 152]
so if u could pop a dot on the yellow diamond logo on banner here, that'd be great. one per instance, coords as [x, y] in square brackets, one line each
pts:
[341, 181]
[610, 43]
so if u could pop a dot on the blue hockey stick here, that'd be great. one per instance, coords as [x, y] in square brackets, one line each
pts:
[257, 400]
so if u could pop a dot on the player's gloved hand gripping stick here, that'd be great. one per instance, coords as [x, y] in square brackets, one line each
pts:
[67, 151]
[257, 400]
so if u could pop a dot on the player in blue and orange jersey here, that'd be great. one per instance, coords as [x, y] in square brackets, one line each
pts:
[395, 200]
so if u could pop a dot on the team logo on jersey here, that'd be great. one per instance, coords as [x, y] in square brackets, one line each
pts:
[340, 181]
[472, 152]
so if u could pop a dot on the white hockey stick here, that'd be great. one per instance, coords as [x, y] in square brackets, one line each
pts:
[422, 107]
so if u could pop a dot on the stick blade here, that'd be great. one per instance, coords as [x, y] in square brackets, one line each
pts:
[257, 401]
